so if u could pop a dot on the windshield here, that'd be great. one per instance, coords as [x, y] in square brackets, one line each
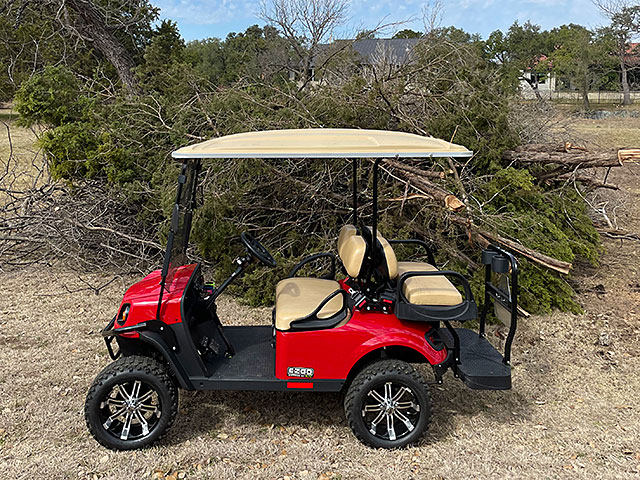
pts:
[181, 217]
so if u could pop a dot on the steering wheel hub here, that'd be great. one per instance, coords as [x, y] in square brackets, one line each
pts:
[257, 250]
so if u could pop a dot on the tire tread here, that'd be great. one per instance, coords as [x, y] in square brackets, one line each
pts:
[132, 364]
[369, 373]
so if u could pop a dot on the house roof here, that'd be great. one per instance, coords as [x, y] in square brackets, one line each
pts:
[632, 55]
[396, 51]
[323, 143]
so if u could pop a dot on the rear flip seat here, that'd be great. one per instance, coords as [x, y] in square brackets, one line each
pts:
[434, 290]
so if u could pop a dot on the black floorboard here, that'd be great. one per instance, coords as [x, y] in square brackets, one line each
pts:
[254, 358]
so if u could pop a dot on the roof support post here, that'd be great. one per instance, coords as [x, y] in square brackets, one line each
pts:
[374, 221]
[355, 191]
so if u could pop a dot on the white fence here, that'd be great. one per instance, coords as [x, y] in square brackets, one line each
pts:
[576, 97]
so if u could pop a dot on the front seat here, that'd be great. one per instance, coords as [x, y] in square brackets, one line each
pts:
[299, 297]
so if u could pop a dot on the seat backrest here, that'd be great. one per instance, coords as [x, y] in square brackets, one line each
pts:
[352, 251]
[345, 233]
[390, 260]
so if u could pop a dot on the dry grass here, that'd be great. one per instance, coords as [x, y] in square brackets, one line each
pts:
[21, 138]
[607, 133]
[574, 411]
[20, 158]
[612, 132]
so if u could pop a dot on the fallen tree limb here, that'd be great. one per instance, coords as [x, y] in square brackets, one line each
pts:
[416, 171]
[120, 234]
[582, 159]
[569, 154]
[589, 182]
[449, 200]
[618, 233]
[540, 258]
[483, 238]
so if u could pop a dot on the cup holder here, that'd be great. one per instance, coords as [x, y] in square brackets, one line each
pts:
[498, 262]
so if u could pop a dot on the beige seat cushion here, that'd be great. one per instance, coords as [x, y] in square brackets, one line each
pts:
[389, 257]
[436, 290]
[345, 232]
[352, 252]
[298, 297]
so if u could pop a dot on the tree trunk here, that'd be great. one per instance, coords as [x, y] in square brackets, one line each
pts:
[91, 24]
[534, 87]
[585, 94]
[626, 91]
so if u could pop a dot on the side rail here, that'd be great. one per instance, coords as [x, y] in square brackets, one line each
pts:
[312, 322]
[497, 260]
[421, 243]
[462, 312]
[313, 258]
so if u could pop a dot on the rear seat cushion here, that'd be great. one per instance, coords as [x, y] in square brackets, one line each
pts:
[436, 290]
[298, 297]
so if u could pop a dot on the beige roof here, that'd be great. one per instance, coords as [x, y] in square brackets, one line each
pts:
[322, 143]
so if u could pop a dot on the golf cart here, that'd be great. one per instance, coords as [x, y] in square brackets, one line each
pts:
[357, 330]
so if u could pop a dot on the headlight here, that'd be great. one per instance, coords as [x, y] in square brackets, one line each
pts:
[124, 314]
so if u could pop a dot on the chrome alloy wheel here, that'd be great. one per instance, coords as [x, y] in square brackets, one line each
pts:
[131, 410]
[390, 411]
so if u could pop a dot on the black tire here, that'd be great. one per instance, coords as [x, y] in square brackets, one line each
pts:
[134, 391]
[380, 419]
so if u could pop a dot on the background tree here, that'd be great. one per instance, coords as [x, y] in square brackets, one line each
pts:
[625, 25]
[408, 33]
[117, 29]
[521, 53]
[305, 24]
[582, 57]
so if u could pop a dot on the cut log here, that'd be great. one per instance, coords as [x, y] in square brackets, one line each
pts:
[540, 258]
[483, 237]
[582, 160]
[416, 171]
[570, 155]
[453, 203]
[629, 155]
[424, 185]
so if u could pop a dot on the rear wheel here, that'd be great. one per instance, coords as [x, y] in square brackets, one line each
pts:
[131, 403]
[388, 405]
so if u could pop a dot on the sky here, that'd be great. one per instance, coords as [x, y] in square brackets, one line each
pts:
[198, 19]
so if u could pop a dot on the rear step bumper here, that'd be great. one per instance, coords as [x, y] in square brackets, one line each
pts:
[481, 366]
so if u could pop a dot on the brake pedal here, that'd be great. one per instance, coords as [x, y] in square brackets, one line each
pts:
[204, 345]
[214, 346]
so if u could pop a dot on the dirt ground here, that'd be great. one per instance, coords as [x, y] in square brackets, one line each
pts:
[573, 412]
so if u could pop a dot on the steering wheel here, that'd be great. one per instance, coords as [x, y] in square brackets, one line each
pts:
[258, 250]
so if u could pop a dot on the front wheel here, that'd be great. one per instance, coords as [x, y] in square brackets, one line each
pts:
[388, 405]
[131, 403]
